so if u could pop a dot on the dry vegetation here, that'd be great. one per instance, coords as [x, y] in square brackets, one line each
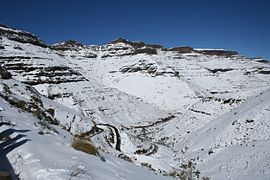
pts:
[84, 146]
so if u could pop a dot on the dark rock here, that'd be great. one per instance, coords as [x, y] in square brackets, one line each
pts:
[264, 72]
[198, 111]
[10, 58]
[51, 75]
[67, 45]
[90, 55]
[184, 49]
[224, 53]
[134, 44]
[51, 111]
[219, 70]
[210, 151]
[20, 36]
[141, 151]
[4, 73]
[17, 47]
[41, 133]
[125, 157]
[50, 81]
[247, 73]
[143, 67]
[72, 43]
[249, 121]
[262, 61]
[231, 101]
[154, 46]
[149, 51]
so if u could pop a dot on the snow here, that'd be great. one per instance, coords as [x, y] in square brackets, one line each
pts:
[163, 92]
[50, 156]
[163, 111]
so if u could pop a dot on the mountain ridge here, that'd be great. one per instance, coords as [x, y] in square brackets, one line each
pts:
[135, 44]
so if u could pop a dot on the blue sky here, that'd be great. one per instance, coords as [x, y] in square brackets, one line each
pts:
[241, 25]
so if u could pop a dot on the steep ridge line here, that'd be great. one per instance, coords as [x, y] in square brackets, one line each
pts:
[218, 124]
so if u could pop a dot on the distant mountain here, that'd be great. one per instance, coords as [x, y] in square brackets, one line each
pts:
[180, 112]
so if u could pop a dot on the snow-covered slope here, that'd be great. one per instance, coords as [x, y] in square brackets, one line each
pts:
[39, 151]
[179, 112]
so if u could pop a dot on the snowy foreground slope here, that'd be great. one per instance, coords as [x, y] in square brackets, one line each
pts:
[179, 112]
[39, 153]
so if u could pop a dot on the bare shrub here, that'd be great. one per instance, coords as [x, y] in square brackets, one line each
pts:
[76, 171]
[84, 146]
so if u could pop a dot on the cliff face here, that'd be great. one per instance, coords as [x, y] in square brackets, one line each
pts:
[20, 36]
